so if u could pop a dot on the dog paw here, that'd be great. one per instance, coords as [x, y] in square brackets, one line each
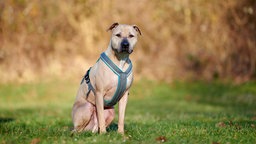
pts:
[102, 131]
[121, 132]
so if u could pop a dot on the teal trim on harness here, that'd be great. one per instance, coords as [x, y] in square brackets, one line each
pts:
[122, 79]
[88, 82]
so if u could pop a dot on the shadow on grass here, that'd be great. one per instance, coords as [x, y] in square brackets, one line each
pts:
[112, 127]
[6, 120]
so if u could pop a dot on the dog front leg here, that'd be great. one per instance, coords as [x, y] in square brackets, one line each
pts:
[100, 112]
[121, 112]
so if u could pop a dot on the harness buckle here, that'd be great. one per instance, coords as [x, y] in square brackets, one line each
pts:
[87, 81]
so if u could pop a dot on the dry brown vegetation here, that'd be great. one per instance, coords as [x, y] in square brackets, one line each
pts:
[181, 39]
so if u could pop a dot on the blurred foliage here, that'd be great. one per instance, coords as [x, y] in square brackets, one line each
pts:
[181, 39]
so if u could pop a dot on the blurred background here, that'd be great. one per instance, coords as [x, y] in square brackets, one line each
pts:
[181, 39]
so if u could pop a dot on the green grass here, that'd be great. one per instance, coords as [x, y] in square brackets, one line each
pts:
[194, 112]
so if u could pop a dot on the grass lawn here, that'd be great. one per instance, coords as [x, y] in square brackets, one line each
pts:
[196, 112]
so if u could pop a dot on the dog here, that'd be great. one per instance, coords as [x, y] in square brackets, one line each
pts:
[106, 83]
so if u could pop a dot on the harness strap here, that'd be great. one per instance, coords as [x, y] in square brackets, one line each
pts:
[113, 67]
[87, 79]
[122, 79]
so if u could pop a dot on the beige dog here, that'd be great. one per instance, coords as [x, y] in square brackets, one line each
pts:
[106, 83]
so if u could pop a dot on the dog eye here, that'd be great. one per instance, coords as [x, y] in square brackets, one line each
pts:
[131, 36]
[118, 35]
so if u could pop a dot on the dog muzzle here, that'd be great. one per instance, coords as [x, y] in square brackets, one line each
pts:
[125, 46]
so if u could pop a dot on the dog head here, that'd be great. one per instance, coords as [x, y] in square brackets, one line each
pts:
[124, 37]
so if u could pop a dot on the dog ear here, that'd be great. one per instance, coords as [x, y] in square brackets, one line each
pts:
[113, 26]
[137, 29]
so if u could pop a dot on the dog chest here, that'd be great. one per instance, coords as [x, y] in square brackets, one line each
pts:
[121, 83]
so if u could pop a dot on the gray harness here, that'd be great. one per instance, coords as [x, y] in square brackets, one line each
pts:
[122, 80]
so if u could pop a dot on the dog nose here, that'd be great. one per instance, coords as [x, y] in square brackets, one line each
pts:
[125, 44]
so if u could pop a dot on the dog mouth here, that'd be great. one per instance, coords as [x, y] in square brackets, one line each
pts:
[126, 50]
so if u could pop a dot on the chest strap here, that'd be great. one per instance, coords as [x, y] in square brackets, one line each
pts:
[122, 79]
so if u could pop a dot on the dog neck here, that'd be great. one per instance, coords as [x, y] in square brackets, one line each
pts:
[119, 59]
